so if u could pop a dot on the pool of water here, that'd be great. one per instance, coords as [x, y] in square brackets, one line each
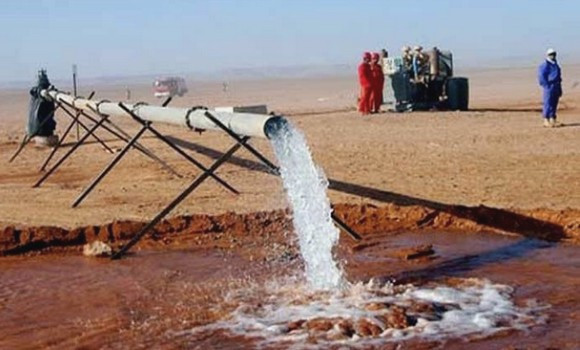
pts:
[217, 299]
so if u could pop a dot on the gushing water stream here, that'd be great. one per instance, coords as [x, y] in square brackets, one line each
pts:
[306, 185]
[350, 311]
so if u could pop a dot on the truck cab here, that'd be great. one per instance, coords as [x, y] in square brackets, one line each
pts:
[169, 87]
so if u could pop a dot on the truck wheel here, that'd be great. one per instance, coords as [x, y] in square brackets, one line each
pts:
[458, 93]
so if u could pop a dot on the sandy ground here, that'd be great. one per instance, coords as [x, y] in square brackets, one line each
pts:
[498, 154]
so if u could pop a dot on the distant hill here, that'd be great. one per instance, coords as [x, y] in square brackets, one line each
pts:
[299, 71]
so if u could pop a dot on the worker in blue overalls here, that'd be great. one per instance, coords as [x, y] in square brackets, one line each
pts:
[550, 79]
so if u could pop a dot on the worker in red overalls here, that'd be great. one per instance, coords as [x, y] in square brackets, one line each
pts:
[377, 82]
[365, 80]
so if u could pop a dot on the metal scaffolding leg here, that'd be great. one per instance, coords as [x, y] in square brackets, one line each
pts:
[177, 149]
[108, 168]
[195, 184]
[63, 137]
[126, 138]
[58, 145]
[25, 141]
[75, 119]
[71, 151]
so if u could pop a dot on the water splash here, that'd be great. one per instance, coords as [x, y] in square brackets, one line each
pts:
[306, 185]
[328, 311]
[288, 313]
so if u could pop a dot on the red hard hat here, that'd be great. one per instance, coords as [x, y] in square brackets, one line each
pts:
[376, 56]
[367, 55]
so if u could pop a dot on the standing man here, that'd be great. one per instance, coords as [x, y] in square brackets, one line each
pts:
[383, 55]
[418, 61]
[550, 79]
[378, 82]
[407, 58]
[365, 81]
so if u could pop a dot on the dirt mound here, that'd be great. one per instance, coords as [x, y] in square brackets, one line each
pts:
[546, 224]
[231, 229]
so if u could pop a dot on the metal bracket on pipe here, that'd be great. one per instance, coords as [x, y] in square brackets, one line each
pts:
[274, 169]
[188, 121]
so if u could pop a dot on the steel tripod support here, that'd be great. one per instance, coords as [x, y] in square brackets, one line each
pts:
[90, 132]
[177, 149]
[241, 141]
[274, 169]
[145, 125]
[63, 137]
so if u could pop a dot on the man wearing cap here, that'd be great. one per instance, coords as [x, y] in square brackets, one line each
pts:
[419, 61]
[550, 79]
[365, 81]
[407, 58]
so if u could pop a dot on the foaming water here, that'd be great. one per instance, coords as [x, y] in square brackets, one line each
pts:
[306, 185]
[286, 313]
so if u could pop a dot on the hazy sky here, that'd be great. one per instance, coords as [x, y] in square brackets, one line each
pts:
[125, 37]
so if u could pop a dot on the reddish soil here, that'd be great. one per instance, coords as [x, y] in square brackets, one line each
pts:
[185, 231]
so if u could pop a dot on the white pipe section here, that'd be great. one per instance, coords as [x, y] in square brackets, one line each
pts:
[246, 124]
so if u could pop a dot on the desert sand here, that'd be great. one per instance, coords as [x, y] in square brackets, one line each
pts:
[496, 155]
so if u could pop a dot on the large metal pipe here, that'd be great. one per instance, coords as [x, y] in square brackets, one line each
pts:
[246, 124]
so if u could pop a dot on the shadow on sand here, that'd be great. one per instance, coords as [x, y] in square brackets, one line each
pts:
[507, 110]
[499, 219]
[538, 234]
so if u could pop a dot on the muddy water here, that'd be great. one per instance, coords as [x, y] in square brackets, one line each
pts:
[159, 298]
[71, 301]
[546, 272]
